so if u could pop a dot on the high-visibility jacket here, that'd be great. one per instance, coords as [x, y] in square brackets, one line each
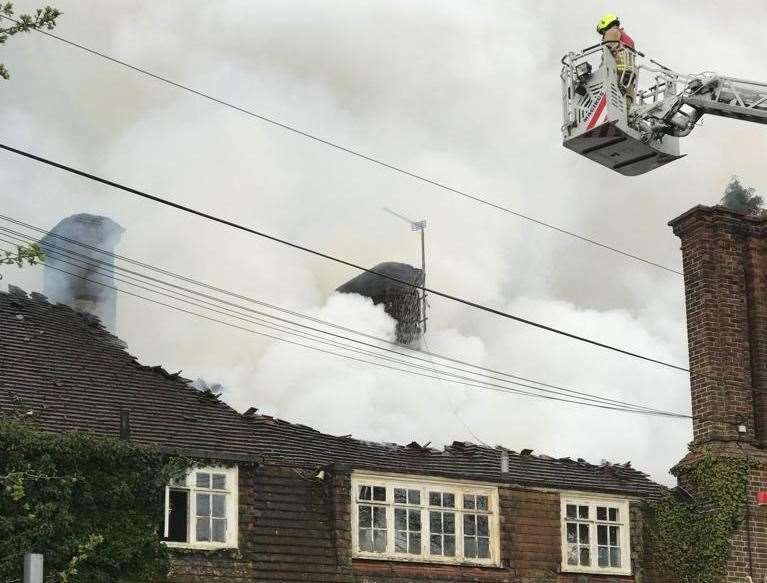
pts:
[624, 60]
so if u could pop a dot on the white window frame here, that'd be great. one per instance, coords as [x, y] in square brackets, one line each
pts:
[623, 506]
[189, 483]
[425, 485]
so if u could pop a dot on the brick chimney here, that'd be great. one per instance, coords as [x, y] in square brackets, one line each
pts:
[725, 279]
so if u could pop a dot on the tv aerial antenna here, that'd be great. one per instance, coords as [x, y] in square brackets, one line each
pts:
[418, 226]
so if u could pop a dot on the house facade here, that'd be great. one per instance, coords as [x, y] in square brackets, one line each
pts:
[273, 501]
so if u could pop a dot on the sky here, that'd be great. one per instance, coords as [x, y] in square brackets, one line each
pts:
[463, 92]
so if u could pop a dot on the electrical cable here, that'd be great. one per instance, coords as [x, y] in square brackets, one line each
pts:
[356, 153]
[22, 237]
[471, 382]
[340, 261]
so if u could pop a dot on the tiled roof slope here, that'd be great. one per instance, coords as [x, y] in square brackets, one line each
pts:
[61, 369]
[65, 370]
[307, 447]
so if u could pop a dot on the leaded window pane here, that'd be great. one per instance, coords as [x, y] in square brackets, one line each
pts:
[218, 509]
[203, 529]
[435, 544]
[400, 541]
[414, 520]
[572, 533]
[469, 525]
[483, 548]
[203, 504]
[379, 541]
[601, 535]
[366, 540]
[203, 480]
[219, 530]
[400, 519]
[483, 526]
[365, 517]
[379, 517]
[572, 554]
[415, 543]
[603, 557]
[470, 546]
[583, 534]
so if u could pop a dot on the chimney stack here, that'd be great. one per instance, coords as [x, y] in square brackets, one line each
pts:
[402, 302]
[84, 263]
[725, 276]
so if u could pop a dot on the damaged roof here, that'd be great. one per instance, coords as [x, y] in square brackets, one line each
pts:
[302, 445]
[63, 371]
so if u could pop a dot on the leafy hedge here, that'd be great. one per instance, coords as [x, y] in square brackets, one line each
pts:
[91, 505]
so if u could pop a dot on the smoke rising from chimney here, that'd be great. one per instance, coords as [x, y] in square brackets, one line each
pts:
[400, 301]
[74, 290]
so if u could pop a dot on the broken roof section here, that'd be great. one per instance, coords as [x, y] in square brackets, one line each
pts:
[61, 369]
[304, 446]
[64, 371]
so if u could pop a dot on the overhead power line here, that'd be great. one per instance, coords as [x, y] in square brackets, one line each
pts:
[338, 260]
[356, 153]
[92, 264]
[446, 376]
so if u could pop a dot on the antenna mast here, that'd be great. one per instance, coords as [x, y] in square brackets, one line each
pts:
[418, 226]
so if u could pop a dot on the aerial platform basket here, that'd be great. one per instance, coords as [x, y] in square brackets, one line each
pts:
[597, 104]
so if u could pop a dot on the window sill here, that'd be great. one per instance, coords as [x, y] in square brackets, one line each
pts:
[488, 564]
[596, 571]
[200, 546]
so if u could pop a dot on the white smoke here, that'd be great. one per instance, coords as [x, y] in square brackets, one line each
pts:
[463, 91]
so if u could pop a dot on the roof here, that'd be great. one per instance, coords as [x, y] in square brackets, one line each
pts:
[302, 445]
[64, 371]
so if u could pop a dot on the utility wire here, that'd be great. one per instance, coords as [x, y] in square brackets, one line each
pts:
[23, 237]
[475, 383]
[338, 260]
[94, 268]
[356, 153]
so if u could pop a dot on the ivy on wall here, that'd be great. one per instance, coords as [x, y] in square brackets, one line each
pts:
[91, 505]
[688, 537]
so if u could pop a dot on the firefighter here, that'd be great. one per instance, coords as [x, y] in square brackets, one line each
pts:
[617, 40]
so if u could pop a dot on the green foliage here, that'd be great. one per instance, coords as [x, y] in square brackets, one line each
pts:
[742, 199]
[91, 505]
[688, 539]
[42, 18]
[30, 254]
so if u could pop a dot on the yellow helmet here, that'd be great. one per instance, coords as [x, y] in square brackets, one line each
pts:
[606, 22]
